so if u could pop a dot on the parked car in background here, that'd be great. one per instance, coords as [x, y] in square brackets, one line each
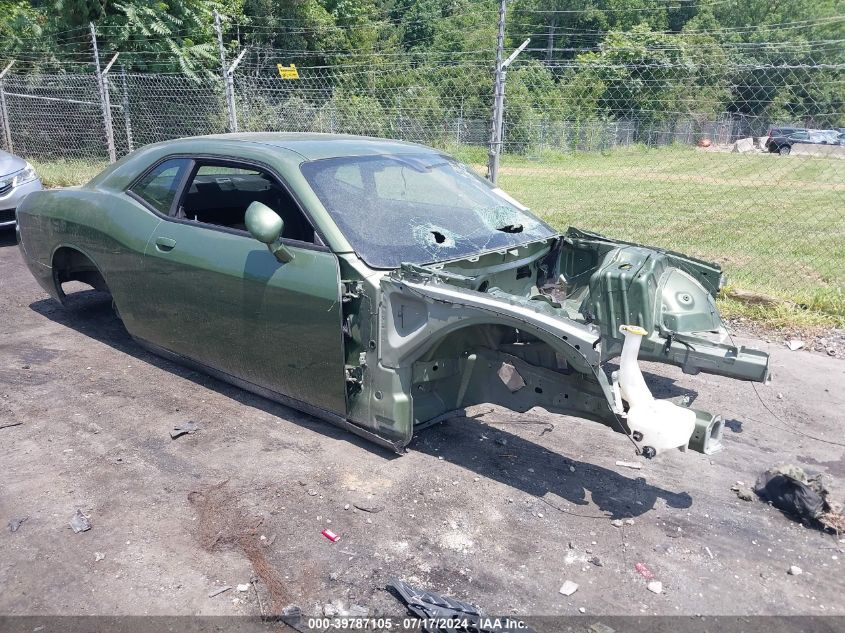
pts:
[782, 139]
[17, 179]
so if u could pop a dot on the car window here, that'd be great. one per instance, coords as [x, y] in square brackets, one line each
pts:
[158, 188]
[418, 208]
[218, 194]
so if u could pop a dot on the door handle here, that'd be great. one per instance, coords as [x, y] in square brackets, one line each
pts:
[165, 244]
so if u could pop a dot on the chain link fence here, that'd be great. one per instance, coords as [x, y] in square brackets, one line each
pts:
[674, 153]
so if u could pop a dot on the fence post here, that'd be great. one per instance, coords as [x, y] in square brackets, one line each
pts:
[127, 115]
[4, 111]
[228, 84]
[104, 97]
[498, 100]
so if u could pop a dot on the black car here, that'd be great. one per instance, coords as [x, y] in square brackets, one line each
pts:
[781, 139]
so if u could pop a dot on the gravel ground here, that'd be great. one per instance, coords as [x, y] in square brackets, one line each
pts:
[498, 509]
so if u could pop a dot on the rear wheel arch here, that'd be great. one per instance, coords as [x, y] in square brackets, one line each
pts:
[72, 264]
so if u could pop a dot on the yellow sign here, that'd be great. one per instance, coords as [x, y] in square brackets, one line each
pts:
[288, 72]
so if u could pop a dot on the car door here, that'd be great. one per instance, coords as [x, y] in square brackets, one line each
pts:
[223, 300]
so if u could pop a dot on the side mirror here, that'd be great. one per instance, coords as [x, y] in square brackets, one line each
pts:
[266, 226]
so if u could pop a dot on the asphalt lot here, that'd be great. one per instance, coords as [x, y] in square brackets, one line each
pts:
[498, 509]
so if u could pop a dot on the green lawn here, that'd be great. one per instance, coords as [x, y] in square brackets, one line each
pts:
[775, 224]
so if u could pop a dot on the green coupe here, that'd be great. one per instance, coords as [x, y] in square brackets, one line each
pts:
[379, 285]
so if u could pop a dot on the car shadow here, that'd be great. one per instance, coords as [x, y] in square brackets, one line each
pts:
[515, 461]
[500, 456]
[90, 312]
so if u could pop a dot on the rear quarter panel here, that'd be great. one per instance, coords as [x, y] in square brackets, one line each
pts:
[109, 227]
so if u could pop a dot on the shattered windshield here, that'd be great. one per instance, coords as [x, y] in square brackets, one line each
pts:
[418, 208]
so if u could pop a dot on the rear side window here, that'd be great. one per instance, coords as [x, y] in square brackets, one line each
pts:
[159, 187]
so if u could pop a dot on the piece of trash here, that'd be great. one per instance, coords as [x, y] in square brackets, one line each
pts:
[634, 465]
[98, 556]
[15, 524]
[655, 586]
[330, 535]
[794, 344]
[218, 591]
[595, 560]
[629, 521]
[581, 610]
[6, 426]
[795, 493]
[183, 429]
[795, 570]
[600, 627]
[312, 493]
[617, 523]
[709, 553]
[243, 588]
[431, 607]
[743, 492]
[79, 522]
[370, 509]
[644, 571]
[568, 588]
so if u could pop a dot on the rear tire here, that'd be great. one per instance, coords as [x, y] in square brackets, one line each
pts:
[784, 150]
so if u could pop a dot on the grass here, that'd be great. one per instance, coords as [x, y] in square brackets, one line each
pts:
[67, 172]
[775, 224]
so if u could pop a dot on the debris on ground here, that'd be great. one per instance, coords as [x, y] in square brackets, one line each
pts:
[617, 523]
[794, 344]
[794, 570]
[709, 553]
[243, 588]
[98, 556]
[218, 591]
[430, 608]
[655, 586]
[15, 523]
[743, 492]
[330, 535]
[795, 493]
[6, 426]
[600, 627]
[365, 508]
[183, 429]
[79, 522]
[568, 588]
[634, 465]
[644, 571]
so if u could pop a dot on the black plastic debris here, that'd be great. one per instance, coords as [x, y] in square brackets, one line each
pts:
[795, 493]
[439, 613]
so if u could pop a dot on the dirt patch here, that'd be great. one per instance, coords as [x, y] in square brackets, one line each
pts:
[224, 524]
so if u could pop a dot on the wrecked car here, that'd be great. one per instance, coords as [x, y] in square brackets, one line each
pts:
[382, 286]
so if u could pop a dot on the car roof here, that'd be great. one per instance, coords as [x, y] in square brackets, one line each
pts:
[315, 146]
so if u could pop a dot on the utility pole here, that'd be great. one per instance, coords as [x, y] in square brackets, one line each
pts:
[497, 131]
[228, 83]
[104, 97]
[498, 100]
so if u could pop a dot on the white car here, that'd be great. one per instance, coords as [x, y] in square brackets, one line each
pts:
[17, 179]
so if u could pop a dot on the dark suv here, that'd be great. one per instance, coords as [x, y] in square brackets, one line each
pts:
[781, 138]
